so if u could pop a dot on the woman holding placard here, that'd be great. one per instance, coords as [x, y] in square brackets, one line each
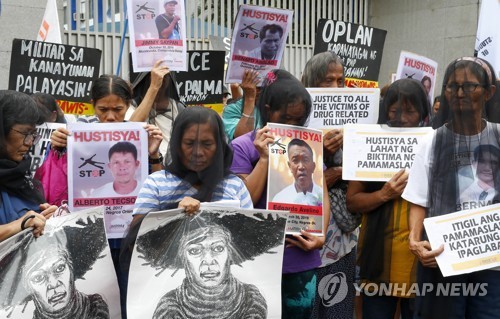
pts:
[283, 100]
[338, 255]
[22, 203]
[460, 155]
[383, 255]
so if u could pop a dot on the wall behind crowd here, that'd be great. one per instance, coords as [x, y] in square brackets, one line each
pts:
[439, 29]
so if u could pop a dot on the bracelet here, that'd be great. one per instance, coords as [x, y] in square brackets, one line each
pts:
[247, 116]
[25, 220]
[154, 161]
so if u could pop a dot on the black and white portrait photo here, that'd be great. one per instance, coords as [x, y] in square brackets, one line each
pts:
[65, 273]
[220, 263]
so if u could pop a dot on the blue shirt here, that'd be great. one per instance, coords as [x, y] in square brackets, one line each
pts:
[13, 207]
[161, 190]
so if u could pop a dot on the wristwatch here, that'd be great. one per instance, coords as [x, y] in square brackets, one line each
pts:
[154, 161]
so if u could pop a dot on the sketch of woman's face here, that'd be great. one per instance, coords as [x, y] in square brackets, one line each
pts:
[52, 283]
[207, 260]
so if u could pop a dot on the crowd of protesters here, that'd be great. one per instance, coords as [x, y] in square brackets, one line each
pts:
[197, 155]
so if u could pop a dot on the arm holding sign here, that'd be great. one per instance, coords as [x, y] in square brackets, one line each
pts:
[256, 179]
[249, 86]
[238, 116]
[332, 142]
[190, 205]
[235, 91]
[421, 248]
[307, 241]
[155, 137]
[158, 73]
[59, 138]
[360, 201]
[29, 220]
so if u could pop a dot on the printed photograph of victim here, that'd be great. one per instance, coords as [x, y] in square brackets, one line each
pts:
[123, 165]
[301, 164]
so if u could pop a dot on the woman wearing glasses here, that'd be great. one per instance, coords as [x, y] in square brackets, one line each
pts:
[383, 255]
[22, 204]
[443, 171]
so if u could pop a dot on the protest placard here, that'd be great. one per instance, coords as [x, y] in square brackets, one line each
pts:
[214, 258]
[66, 273]
[488, 34]
[258, 41]
[377, 152]
[334, 107]
[40, 149]
[64, 71]
[471, 239]
[295, 179]
[107, 165]
[221, 44]
[157, 31]
[420, 68]
[359, 46]
[202, 83]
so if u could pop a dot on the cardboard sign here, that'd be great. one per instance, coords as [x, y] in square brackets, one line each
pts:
[103, 171]
[359, 46]
[64, 71]
[377, 152]
[295, 179]
[258, 41]
[202, 83]
[470, 237]
[335, 107]
[66, 273]
[420, 68]
[221, 250]
[157, 32]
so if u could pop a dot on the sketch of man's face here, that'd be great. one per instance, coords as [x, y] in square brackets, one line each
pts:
[51, 283]
[207, 260]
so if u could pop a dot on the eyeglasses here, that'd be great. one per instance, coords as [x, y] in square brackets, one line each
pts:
[33, 137]
[467, 87]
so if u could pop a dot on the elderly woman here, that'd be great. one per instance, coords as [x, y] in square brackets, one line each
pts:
[326, 70]
[383, 255]
[441, 173]
[283, 100]
[22, 203]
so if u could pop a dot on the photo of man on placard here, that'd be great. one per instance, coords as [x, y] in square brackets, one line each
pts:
[301, 164]
[168, 23]
[270, 40]
[123, 165]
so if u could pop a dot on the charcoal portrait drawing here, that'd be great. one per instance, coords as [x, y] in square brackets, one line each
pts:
[207, 247]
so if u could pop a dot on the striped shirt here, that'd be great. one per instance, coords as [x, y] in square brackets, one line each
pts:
[161, 190]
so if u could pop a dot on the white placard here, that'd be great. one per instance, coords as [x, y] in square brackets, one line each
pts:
[377, 152]
[335, 107]
[471, 239]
